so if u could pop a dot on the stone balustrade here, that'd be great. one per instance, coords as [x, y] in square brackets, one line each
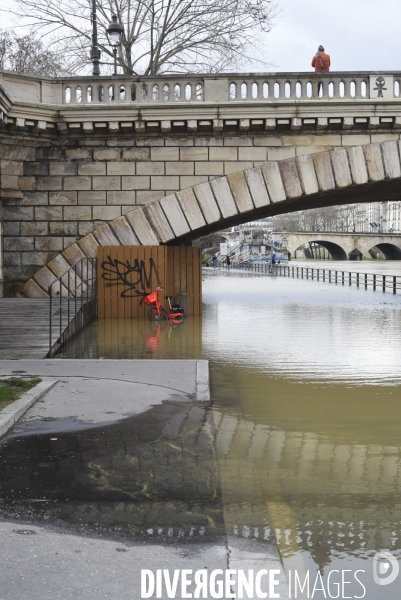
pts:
[233, 87]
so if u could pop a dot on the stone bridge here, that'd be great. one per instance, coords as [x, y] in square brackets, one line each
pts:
[117, 160]
[341, 245]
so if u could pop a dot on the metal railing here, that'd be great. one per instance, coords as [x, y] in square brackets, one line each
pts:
[376, 282]
[73, 302]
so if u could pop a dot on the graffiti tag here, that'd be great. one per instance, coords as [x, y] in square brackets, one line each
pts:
[135, 278]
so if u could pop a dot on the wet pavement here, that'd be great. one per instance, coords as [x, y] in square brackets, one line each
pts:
[297, 452]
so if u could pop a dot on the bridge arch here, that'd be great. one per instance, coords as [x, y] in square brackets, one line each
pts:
[335, 250]
[341, 176]
[390, 251]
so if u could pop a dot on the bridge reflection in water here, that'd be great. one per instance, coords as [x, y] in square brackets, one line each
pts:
[192, 471]
[299, 447]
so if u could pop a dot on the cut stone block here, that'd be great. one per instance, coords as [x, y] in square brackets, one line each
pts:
[32, 290]
[290, 178]
[391, 159]
[224, 197]
[123, 232]
[191, 209]
[142, 228]
[105, 236]
[257, 186]
[207, 202]
[274, 183]
[158, 221]
[89, 245]
[324, 171]
[307, 174]
[342, 173]
[73, 254]
[174, 214]
[358, 166]
[44, 278]
[58, 266]
[374, 162]
[240, 191]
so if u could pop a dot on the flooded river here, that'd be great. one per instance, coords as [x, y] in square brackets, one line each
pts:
[301, 443]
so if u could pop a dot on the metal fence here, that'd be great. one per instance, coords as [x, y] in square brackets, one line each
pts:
[374, 281]
[73, 302]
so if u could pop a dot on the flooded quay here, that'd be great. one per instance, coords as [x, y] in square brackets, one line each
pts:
[299, 447]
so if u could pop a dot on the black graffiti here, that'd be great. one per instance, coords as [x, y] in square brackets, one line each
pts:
[135, 278]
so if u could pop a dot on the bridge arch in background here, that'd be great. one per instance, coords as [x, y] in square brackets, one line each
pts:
[390, 251]
[341, 176]
[335, 250]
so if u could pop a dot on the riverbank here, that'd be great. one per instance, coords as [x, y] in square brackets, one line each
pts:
[69, 503]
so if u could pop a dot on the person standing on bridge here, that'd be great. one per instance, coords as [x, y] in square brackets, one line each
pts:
[321, 62]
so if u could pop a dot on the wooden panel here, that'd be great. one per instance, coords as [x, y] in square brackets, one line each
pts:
[197, 285]
[190, 282]
[127, 273]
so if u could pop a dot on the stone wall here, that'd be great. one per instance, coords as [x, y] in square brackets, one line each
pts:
[58, 188]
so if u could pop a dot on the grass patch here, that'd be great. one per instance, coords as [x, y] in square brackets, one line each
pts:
[13, 388]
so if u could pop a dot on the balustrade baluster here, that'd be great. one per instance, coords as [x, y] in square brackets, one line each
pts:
[315, 88]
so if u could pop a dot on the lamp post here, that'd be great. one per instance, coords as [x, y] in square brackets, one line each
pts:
[114, 31]
[95, 55]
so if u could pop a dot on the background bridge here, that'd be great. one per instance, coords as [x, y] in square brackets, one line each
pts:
[342, 245]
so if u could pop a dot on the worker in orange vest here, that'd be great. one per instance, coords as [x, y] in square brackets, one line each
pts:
[321, 61]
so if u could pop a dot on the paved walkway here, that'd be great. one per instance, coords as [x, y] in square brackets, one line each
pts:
[102, 449]
[24, 328]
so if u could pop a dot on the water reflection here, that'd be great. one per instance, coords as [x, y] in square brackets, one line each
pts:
[301, 444]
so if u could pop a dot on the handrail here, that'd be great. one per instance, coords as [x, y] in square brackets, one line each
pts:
[377, 281]
[73, 290]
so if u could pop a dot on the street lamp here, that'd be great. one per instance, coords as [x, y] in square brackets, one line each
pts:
[114, 31]
[95, 55]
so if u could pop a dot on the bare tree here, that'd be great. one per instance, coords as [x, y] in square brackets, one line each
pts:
[159, 36]
[27, 54]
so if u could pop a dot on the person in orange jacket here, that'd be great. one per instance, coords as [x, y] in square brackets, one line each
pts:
[321, 61]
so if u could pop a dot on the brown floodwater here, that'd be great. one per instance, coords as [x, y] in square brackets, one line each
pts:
[303, 435]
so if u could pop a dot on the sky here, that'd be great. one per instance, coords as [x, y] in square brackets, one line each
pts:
[360, 35]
